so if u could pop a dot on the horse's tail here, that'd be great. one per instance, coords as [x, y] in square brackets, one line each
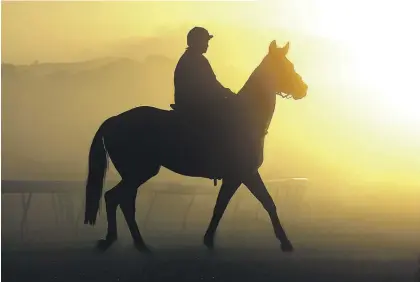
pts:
[98, 163]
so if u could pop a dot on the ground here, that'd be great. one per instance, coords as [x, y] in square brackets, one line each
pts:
[195, 263]
[340, 233]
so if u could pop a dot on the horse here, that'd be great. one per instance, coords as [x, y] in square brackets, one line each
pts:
[142, 140]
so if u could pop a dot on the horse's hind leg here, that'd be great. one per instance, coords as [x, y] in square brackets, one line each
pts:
[256, 185]
[111, 203]
[128, 207]
[123, 194]
[226, 192]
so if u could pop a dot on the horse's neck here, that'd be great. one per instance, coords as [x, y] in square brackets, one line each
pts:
[259, 100]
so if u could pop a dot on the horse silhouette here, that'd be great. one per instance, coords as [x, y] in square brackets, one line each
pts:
[141, 140]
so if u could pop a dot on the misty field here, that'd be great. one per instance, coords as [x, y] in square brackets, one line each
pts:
[340, 233]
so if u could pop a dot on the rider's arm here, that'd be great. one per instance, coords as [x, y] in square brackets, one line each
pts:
[209, 81]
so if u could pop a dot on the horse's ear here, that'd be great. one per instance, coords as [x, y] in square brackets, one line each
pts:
[285, 48]
[273, 46]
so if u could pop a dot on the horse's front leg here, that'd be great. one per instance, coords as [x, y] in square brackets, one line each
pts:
[256, 185]
[226, 192]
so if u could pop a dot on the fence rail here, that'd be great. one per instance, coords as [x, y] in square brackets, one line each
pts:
[69, 209]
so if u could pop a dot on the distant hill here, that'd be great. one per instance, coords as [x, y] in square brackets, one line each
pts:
[44, 104]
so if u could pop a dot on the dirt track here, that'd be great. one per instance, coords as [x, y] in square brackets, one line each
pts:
[124, 263]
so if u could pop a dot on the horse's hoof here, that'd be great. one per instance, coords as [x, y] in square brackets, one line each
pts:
[287, 247]
[142, 247]
[104, 244]
[209, 242]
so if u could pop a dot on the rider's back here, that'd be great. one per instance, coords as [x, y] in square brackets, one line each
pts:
[192, 78]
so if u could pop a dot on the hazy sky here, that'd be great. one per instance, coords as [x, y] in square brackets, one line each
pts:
[56, 27]
[60, 26]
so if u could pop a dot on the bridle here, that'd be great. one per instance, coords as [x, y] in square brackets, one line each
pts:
[283, 95]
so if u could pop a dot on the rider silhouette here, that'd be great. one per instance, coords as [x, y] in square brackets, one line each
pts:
[196, 86]
[201, 98]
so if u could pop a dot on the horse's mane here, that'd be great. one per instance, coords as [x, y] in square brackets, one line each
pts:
[248, 86]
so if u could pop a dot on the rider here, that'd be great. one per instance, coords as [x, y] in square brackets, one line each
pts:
[196, 86]
[200, 96]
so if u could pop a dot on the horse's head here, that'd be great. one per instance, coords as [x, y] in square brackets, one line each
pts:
[274, 75]
[281, 75]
